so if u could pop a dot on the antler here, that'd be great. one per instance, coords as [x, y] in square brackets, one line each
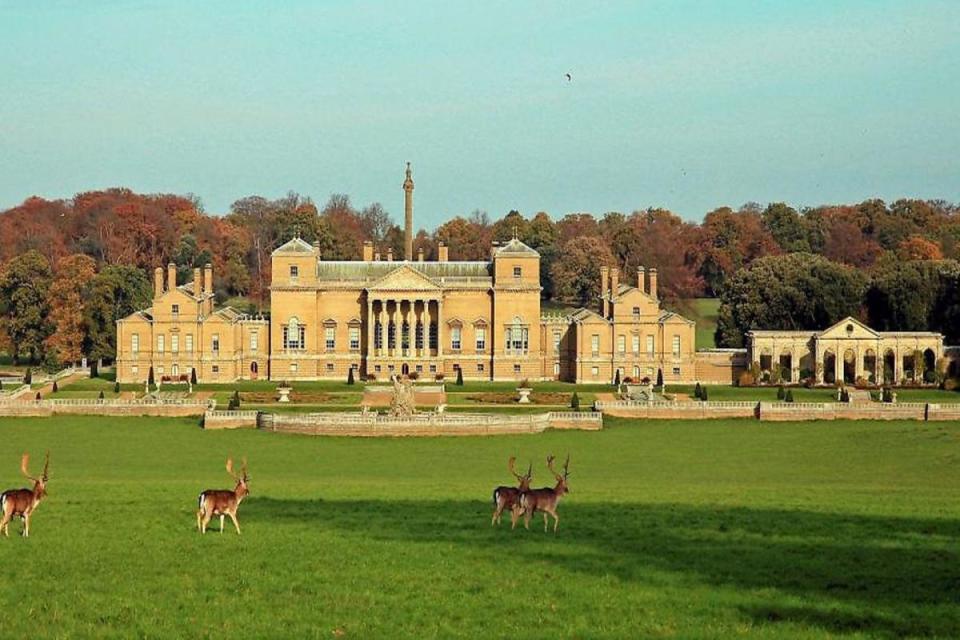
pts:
[511, 465]
[230, 467]
[566, 466]
[46, 467]
[24, 462]
[529, 471]
[243, 469]
[550, 460]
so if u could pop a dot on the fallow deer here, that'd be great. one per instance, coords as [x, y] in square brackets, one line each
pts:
[22, 502]
[509, 497]
[546, 499]
[223, 502]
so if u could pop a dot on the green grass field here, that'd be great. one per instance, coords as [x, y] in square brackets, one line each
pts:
[704, 530]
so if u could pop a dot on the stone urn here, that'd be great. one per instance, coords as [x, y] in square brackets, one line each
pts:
[524, 393]
[284, 394]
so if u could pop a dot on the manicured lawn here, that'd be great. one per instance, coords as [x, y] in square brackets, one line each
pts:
[684, 530]
[704, 312]
[755, 394]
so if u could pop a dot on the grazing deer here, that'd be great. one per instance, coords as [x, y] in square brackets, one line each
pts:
[223, 502]
[509, 497]
[22, 502]
[546, 499]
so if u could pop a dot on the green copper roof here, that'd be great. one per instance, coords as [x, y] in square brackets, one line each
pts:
[370, 271]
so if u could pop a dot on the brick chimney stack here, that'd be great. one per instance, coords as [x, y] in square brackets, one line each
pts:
[171, 277]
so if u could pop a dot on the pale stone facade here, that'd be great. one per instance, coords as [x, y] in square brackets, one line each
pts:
[846, 352]
[182, 332]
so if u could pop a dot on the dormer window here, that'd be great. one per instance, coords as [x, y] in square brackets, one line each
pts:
[636, 312]
[517, 272]
[175, 309]
[294, 272]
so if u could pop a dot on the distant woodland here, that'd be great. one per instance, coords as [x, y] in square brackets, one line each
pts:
[70, 268]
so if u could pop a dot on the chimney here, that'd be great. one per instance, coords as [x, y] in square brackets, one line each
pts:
[367, 251]
[653, 282]
[197, 282]
[442, 255]
[157, 282]
[208, 278]
[614, 280]
[171, 277]
[390, 254]
[316, 246]
[641, 280]
[420, 254]
[605, 301]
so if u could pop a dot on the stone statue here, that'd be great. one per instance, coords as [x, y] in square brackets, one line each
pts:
[402, 403]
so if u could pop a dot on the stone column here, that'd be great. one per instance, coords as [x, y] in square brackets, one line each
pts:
[370, 323]
[440, 330]
[897, 366]
[415, 330]
[838, 366]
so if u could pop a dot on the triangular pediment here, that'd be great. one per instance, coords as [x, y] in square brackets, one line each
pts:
[404, 278]
[848, 328]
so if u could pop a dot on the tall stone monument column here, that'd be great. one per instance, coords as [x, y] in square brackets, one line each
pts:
[408, 216]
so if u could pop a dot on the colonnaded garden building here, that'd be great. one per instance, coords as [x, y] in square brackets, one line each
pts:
[382, 316]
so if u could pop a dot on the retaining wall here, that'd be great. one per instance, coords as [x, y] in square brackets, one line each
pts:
[230, 419]
[93, 407]
[781, 411]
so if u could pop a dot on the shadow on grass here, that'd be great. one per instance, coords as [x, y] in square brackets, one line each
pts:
[873, 574]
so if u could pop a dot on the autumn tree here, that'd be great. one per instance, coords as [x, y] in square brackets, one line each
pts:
[918, 248]
[69, 294]
[576, 278]
[24, 303]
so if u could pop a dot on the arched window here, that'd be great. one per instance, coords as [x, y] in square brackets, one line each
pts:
[294, 334]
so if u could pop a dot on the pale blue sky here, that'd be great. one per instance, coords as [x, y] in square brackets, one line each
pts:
[682, 104]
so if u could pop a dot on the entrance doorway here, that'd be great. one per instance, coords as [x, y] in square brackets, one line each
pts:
[254, 370]
[405, 369]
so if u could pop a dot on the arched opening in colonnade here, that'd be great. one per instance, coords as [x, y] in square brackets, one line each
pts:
[786, 367]
[849, 366]
[929, 366]
[829, 367]
[870, 365]
[889, 367]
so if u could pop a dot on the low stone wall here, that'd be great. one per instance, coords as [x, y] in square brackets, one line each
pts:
[583, 420]
[230, 420]
[93, 407]
[943, 411]
[448, 424]
[790, 411]
[677, 410]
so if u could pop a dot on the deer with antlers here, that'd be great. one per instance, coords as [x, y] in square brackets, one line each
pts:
[22, 502]
[223, 502]
[545, 500]
[509, 497]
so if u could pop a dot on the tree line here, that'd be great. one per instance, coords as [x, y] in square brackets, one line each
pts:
[70, 268]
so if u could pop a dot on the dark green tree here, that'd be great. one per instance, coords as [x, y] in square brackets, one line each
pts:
[575, 401]
[459, 376]
[350, 379]
[115, 292]
[150, 379]
[24, 303]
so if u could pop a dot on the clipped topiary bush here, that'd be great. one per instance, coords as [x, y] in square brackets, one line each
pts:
[575, 401]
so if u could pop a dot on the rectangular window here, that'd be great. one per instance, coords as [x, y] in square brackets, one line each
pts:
[391, 335]
[650, 346]
[254, 340]
[294, 272]
[516, 368]
[376, 368]
[189, 343]
[405, 335]
[329, 367]
[330, 338]
[479, 367]
[418, 336]
[377, 335]
[595, 344]
[419, 368]
[135, 343]
[635, 339]
[556, 341]
[433, 368]
[215, 343]
[294, 367]
[621, 344]
[517, 272]
[354, 338]
[175, 309]
[160, 344]
[481, 338]
[174, 343]
[636, 312]
[676, 371]
[676, 346]
[455, 338]
[595, 371]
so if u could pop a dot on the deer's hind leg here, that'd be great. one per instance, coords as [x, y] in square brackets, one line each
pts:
[236, 524]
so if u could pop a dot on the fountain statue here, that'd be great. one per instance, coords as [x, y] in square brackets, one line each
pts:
[402, 403]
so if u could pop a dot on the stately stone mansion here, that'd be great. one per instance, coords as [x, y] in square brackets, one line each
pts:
[380, 316]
